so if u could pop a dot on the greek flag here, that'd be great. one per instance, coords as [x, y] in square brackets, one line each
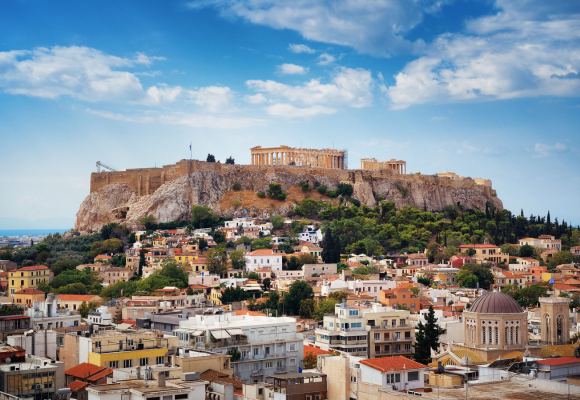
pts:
[551, 281]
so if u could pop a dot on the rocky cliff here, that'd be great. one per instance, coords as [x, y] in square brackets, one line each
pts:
[117, 202]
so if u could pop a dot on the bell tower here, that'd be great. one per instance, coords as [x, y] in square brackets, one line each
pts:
[555, 317]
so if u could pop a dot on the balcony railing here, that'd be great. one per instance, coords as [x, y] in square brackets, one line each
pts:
[280, 369]
[387, 352]
[257, 372]
[391, 326]
[394, 339]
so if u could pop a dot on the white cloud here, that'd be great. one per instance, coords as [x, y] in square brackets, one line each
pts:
[256, 99]
[466, 148]
[391, 144]
[523, 50]
[348, 87]
[148, 73]
[180, 118]
[291, 69]
[300, 48]
[542, 150]
[370, 26]
[91, 75]
[288, 110]
[326, 59]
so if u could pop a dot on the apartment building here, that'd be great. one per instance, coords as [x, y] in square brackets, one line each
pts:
[401, 296]
[47, 315]
[344, 331]
[260, 346]
[390, 332]
[263, 258]
[548, 242]
[116, 349]
[373, 287]
[28, 277]
[486, 252]
[27, 376]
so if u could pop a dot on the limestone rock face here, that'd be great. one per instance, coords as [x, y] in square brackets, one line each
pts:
[173, 200]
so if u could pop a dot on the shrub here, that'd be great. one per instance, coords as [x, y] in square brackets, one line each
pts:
[354, 201]
[237, 186]
[344, 189]
[275, 191]
[322, 189]
[291, 213]
[332, 194]
[261, 195]
[305, 186]
[316, 184]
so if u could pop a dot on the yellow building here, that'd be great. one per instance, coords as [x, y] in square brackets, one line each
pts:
[118, 349]
[29, 296]
[215, 296]
[159, 242]
[28, 277]
[72, 302]
[198, 265]
[185, 257]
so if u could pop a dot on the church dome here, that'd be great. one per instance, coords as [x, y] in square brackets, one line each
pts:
[495, 303]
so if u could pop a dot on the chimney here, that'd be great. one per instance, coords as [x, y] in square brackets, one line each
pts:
[161, 379]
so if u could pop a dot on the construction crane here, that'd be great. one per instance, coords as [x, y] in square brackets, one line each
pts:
[100, 164]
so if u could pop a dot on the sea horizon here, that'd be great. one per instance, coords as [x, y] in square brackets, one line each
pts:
[34, 232]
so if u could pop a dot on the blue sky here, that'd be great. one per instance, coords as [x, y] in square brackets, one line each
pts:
[480, 88]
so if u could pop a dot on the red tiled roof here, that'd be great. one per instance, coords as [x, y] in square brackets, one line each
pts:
[101, 375]
[84, 370]
[31, 268]
[77, 385]
[559, 361]
[478, 246]
[103, 257]
[314, 350]
[397, 363]
[76, 297]
[199, 287]
[30, 291]
[130, 322]
[262, 252]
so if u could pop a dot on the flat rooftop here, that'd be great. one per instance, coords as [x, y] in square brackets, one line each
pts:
[506, 390]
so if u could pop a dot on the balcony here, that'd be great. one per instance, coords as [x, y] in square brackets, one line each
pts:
[281, 369]
[393, 339]
[390, 352]
[257, 372]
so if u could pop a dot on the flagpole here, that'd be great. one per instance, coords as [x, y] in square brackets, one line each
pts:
[190, 151]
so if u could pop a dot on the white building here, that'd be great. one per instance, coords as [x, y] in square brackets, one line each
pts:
[311, 234]
[266, 345]
[344, 331]
[47, 315]
[263, 258]
[101, 316]
[373, 287]
[40, 343]
[398, 373]
[319, 269]
[210, 280]
[240, 223]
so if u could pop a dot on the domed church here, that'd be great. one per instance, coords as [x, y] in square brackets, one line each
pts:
[495, 321]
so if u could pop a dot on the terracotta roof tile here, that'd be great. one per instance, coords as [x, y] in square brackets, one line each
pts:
[560, 361]
[84, 370]
[397, 363]
[30, 291]
[315, 350]
[77, 385]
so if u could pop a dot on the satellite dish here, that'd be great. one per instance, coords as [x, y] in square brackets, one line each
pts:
[8, 360]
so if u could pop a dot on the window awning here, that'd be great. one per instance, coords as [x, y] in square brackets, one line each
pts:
[236, 331]
[220, 334]
[197, 333]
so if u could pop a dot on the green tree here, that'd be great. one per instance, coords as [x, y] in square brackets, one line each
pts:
[466, 279]
[237, 259]
[210, 158]
[308, 208]
[202, 217]
[275, 191]
[273, 302]
[509, 249]
[217, 260]
[310, 360]
[263, 243]
[84, 309]
[482, 272]
[427, 338]
[73, 288]
[527, 251]
[326, 307]
[338, 296]
[561, 257]
[149, 222]
[174, 273]
[231, 295]
[299, 290]
[277, 222]
[307, 308]
[253, 275]
[330, 249]
[230, 160]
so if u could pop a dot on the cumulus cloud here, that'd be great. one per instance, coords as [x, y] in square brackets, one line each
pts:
[528, 48]
[373, 27]
[291, 69]
[289, 111]
[181, 118]
[256, 99]
[348, 87]
[91, 75]
[326, 59]
[542, 150]
[300, 48]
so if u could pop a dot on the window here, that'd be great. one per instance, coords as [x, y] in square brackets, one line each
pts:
[292, 347]
[97, 344]
[160, 360]
[412, 376]
[256, 351]
[412, 305]
[181, 396]
[143, 362]
[114, 364]
[268, 364]
[377, 336]
[127, 363]
[393, 378]
[408, 347]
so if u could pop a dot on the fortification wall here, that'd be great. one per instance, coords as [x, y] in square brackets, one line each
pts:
[145, 181]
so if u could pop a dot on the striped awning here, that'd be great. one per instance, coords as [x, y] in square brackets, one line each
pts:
[220, 334]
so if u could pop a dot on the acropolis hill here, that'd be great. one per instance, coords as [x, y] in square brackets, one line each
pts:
[169, 192]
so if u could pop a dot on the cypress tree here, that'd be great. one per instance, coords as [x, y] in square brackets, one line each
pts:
[427, 338]
[329, 251]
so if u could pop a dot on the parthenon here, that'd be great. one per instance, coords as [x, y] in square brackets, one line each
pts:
[285, 155]
[371, 164]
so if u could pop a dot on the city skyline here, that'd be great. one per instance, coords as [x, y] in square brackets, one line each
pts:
[481, 89]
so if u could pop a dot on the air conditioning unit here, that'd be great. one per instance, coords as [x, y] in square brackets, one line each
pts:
[133, 347]
[37, 386]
